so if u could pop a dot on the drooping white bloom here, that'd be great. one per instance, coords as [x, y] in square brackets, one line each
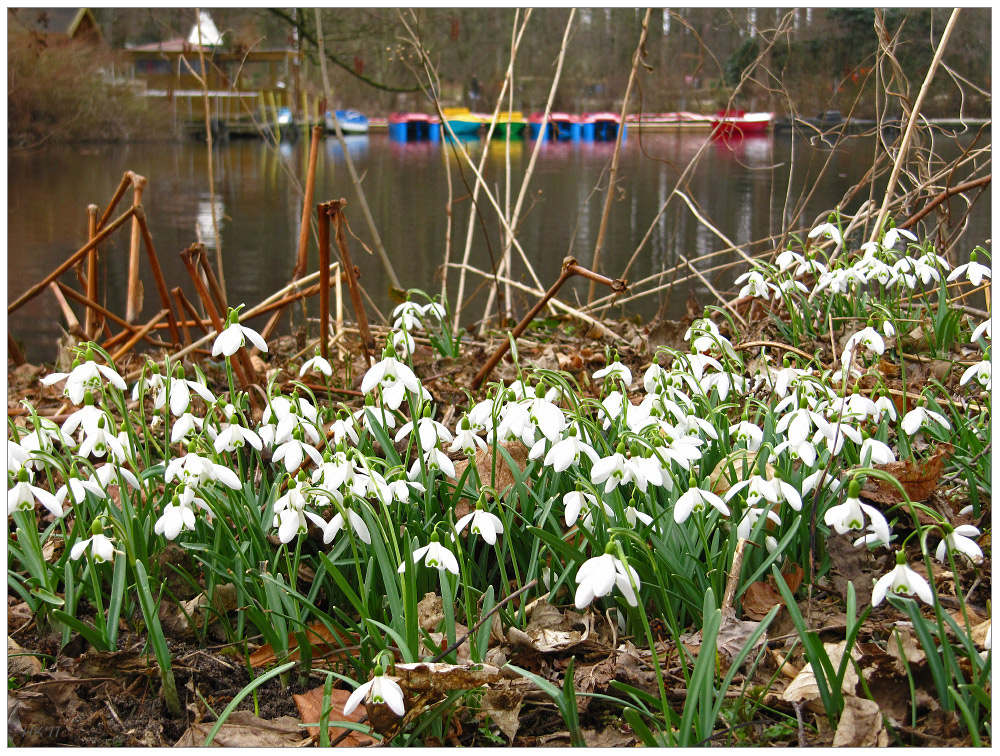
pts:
[893, 235]
[99, 545]
[408, 316]
[235, 437]
[467, 438]
[184, 425]
[868, 338]
[484, 524]
[175, 519]
[234, 337]
[85, 375]
[982, 372]
[754, 285]
[435, 459]
[434, 555]
[960, 540]
[394, 378]
[986, 327]
[747, 432]
[293, 451]
[316, 364]
[828, 230]
[429, 432]
[195, 470]
[975, 272]
[598, 575]
[330, 529]
[614, 370]
[290, 522]
[77, 489]
[568, 452]
[379, 689]
[774, 491]
[902, 581]
[851, 516]
[403, 343]
[875, 452]
[22, 496]
[920, 417]
[694, 500]
[746, 525]
[180, 395]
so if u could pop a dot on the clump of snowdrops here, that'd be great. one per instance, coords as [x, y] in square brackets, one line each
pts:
[635, 498]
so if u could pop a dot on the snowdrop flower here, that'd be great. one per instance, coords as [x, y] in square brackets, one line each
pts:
[918, 418]
[598, 575]
[180, 389]
[17, 457]
[235, 336]
[290, 522]
[747, 432]
[828, 230]
[902, 581]
[617, 470]
[293, 451]
[975, 272]
[905, 272]
[380, 690]
[774, 491]
[316, 364]
[787, 259]
[408, 316]
[98, 441]
[195, 470]
[746, 525]
[435, 459]
[86, 417]
[851, 515]
[235, 437]
[335, 525]
[805, 450]
[434, 555]
[982, 372]
[875, 452]
[867, 337]
[568, 452]
[893, 235]
[403, 343]
[99, 545]
[184, 425]
[755, 286]
[986, 327]
[884, 405]
[466, 438]
[175, 519]
[104, 474]
[83, 376]
[694, 500]
[394, 378]
[481, 523]
[576, 501]
[925, 269]
[21, 497]
[960, 539]
[77, 489]
[429, 432]
[651, 379]
[633, 515]
[615, 370]
[435, 310]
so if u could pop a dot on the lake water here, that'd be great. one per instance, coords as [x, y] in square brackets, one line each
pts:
[740, 186]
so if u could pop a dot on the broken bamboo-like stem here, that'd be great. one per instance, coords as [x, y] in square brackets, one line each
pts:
[133, 302]
[179, 298]
[91, 325]
[324, 289]
[14, 351]
[334, 210]
[35, 290]
[92, 305]
[958, 189]
[72, 323]
[154, 264]
[127, 346]
[302, 260]
[219, 297]
[570, 269]
[123, 186]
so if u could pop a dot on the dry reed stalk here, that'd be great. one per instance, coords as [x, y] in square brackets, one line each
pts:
[334, 211]
[303, 258]
[324, 287]
[355, 181]
[154, 264]
[179, 298]
[127, 347]
[70, 261]
[133, 302]
[91, 326]
[579, 314]
[72, 323]
[529, 172]
[727, 304]
[123, 186]
[14, 351]
[92, 305]
[613, 173]
[911, 124]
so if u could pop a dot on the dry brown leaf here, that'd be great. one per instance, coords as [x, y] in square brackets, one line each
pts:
[324, 643]
[736, 466]
[244, 730]
[310, 706]
[733, 636]
[432, 677]
[805, 688]
[758, 599]
[19, 662]
[484, 465]
[919, 479]
[504, 708]
[860, 725]
[912, 653]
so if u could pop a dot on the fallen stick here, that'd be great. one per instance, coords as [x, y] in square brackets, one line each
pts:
[90, 316]
[133, 302]
[72, 324]
[302, 259]
[570, 269]
[154, 264]
[14, 351]
[334, 211]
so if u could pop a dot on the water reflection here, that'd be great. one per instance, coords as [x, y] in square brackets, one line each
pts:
[738, 185]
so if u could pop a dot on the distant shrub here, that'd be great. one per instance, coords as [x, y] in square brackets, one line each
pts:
[62, 92]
